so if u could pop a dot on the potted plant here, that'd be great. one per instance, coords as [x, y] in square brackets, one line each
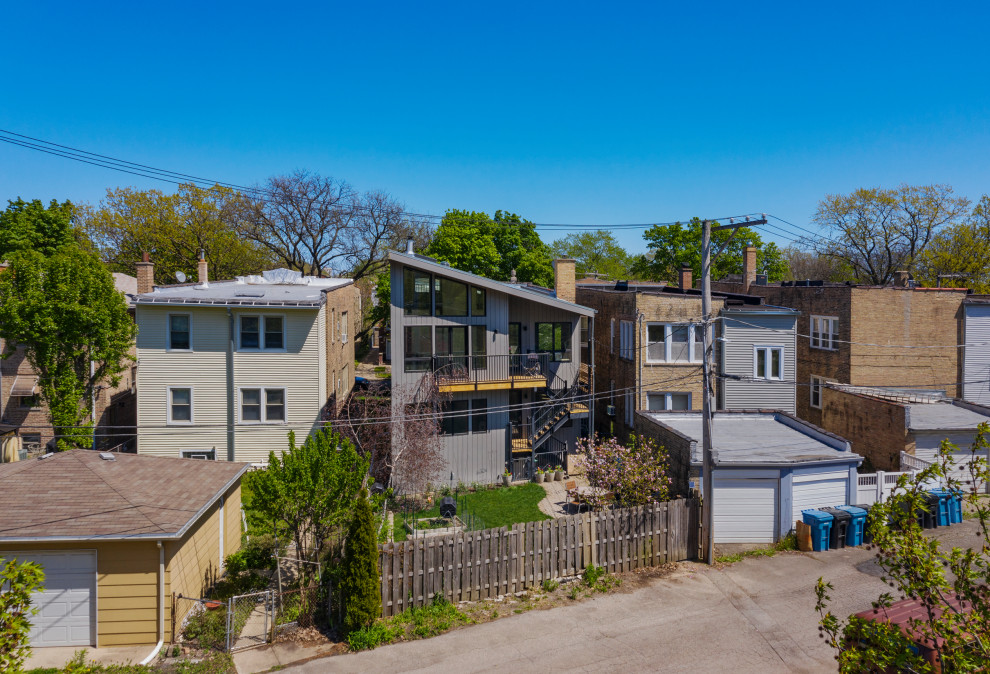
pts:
[538, 475]
[558, 473]
[506, 478]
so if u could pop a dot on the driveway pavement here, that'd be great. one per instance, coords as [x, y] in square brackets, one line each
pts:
[753, 616]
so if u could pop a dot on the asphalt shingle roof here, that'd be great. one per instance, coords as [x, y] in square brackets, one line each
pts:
[78, 495]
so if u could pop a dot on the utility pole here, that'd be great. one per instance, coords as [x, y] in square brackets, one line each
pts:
[707, 369]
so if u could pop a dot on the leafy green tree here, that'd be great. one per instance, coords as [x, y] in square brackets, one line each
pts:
[950, 585]
[361, 583]
[493, 246]
[29, 225]
[18, 580]
[73, 325]
[672, 246]
[309, 490]
[174, 228]
[876, 231]
[957, 256]
[596, 252]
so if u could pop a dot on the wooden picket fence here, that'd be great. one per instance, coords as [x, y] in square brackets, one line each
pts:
[473, 565]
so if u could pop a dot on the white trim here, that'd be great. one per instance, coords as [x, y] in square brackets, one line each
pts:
[694, 337]
[168, 406]
[667, 397]
[263, 402]
[833, 330]
[343, 327]
[769, 348]
[262, 348]
[168, 332]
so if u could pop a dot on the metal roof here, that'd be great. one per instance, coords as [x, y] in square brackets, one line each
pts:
[757, 438]
[943, 416]
[543, 296]
[277, 288]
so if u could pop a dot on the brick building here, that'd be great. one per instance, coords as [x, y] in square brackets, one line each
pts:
[850, 334]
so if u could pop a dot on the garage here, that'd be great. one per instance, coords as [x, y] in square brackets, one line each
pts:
[67, 602]
[819, 490]
[745, 510]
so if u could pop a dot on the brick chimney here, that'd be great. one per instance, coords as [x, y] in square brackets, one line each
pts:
[563, 272]
[901, 279]
[203, 268]
[685, 279]
[145, 275]
[749, 268]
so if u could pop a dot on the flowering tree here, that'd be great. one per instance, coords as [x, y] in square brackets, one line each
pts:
[631, 476]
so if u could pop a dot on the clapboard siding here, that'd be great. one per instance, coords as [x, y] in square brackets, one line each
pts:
[976, 358]
[204, 371]
[738, 356]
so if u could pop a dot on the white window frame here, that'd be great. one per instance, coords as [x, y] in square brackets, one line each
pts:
[168, 406]
[667, 396]
[627, 332]
[769, 348]
[695, 335]
[207, 454]
[264, 405]
[826, 339]
[168, 332]
[262, 318]
[343, 327]
[819, 382]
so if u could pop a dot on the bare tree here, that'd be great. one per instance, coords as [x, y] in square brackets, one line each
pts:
[806, 265]
[878, 231]
[324, 226]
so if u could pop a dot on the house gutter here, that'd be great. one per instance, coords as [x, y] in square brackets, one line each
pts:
[161, 599]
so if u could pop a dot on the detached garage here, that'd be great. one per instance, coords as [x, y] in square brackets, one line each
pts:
[117, 535]
[769, 466]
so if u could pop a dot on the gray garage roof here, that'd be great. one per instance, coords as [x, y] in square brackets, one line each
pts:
[943, 416]
[758, 438]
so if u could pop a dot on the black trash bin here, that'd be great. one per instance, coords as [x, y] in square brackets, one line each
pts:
[448, 507]
[841, 521]
[932, 505]
[867, 536]
[925, 516]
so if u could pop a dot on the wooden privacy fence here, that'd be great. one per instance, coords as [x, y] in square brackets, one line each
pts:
[472, 565]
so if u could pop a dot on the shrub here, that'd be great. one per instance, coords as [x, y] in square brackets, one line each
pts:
[373, 635]
[258, 552]
[18, 580]
[550, 585]
[634, 475]
[592, 574]
[361, 584]
[208, 629]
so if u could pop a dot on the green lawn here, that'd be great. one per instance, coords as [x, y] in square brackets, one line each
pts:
[488, 508]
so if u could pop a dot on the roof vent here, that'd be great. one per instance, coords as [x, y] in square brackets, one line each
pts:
[45, 456]
[250, 293]
[107, 456]
[409, 246]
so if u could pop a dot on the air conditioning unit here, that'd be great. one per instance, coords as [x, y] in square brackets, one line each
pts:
[610, 410]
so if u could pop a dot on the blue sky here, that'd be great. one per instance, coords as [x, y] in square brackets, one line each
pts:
[591, 114]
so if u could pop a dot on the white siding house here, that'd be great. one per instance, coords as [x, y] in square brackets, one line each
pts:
[758, 358]
[976, 354]
[227, 369]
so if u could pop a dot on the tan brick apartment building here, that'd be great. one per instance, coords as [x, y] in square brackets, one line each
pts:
[860, 335]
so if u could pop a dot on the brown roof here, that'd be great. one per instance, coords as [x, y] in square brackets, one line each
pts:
[76, 495]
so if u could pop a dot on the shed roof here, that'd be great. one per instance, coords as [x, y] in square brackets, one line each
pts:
[757, 438]
[77, 495]
[522, 290]
[944, 416]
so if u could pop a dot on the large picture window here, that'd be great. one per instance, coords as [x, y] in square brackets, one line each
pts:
[416, 292]
[555, 338]
[824, 332]
[451, 297]
[674, 343]
[419, 348]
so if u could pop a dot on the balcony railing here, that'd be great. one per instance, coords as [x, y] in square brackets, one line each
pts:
[529, 369]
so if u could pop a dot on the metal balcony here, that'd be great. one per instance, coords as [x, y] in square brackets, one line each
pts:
[455, 374]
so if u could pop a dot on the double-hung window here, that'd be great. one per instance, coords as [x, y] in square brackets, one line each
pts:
[343, 327]
[179, 333]
[824, 332]
[455, 418]
[555, 338]
[627, 334]
[659, 402]
[768, 362]
[817, 384]
[179, 405]
[262, 333]
[263, 405]
[674, 343]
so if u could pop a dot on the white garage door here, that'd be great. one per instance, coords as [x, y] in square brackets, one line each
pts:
[67, 603]
[823, 490]
[745, 510]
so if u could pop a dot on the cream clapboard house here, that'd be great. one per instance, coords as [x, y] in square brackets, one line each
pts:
[226, 369]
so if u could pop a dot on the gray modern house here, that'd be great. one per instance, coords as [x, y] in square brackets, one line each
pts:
[506, 358]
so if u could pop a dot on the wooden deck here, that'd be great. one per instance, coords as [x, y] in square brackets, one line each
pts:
[459, 386]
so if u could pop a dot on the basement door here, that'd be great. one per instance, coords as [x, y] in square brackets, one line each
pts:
[67, 602]
[745, 510]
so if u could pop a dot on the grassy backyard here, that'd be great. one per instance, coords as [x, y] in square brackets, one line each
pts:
[499, 507]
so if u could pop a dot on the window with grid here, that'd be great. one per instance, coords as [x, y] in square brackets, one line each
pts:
[262, 333]
[674, 343]
[343, 327]
[824, 332]
[768, 362]
[263, 405]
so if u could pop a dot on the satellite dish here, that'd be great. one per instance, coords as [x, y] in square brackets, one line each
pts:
[180, 276]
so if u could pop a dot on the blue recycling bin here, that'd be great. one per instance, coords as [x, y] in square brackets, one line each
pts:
[821, 527]
[944, 497]
[855, 534]
[955, 507]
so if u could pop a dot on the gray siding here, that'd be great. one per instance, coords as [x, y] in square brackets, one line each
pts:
[976, 359]
[742, 335]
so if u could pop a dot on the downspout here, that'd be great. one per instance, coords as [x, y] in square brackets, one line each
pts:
[230, 385]
[638, 350]
[592, 398]
[92, 400]
[161, 599]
